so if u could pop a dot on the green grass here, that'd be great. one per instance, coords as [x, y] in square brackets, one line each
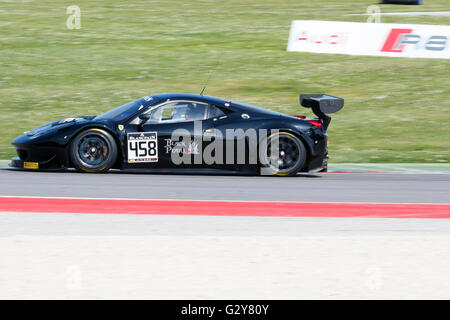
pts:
[397, 110]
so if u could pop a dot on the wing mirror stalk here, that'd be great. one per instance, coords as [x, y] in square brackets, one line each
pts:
[144, 118]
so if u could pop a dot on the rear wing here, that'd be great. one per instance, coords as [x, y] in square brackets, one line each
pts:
[321, 105]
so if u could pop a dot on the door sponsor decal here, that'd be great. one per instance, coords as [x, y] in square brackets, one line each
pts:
[142, 147]
[181, 147]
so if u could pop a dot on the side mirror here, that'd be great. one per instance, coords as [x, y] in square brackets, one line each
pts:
[144, 118]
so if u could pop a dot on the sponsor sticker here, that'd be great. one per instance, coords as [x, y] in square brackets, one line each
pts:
[142, 147]
[181, 147]
[31, 165]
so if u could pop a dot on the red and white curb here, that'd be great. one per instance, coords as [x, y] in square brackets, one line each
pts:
[224, 208]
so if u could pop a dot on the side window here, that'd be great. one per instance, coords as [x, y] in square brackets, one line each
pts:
[215, 112]
[196, 111]
[179, 111]
[167, 113]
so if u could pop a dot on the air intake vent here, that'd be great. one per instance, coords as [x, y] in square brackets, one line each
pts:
[23, 154]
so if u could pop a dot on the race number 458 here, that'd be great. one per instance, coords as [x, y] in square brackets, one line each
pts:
[142, 147]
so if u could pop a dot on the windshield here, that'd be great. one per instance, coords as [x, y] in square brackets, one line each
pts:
[123, 112]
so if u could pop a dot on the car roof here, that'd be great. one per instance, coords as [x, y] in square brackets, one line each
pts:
[214, 100]
[188, 96]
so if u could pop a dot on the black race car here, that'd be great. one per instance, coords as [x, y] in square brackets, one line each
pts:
[178, 130]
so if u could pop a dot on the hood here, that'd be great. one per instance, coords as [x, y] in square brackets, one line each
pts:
[56, 125]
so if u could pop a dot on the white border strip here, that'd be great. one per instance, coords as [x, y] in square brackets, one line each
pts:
[199, 200]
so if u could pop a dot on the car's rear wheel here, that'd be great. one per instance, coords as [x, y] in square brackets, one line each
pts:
[283, 154]
[93, 151]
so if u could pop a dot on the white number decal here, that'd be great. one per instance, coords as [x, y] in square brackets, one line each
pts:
[142, 147]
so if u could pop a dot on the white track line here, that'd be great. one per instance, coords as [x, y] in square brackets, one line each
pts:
[208, 200]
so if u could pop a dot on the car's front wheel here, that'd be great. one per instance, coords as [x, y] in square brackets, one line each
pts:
[283, 154]
[93, 151]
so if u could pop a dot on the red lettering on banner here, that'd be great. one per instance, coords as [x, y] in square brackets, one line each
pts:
[303, 36]
[393, 39]
[334, 36]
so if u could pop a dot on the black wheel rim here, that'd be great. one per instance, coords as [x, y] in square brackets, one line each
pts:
[93, 151]
[288, 155]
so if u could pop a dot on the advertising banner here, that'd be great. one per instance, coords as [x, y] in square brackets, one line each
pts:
[370, 39]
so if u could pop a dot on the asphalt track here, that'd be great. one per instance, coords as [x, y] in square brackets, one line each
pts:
[51, 254]
[330, 187]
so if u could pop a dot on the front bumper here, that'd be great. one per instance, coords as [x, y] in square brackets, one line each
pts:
[51, 164]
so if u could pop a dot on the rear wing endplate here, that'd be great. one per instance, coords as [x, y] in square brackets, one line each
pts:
[321, 105]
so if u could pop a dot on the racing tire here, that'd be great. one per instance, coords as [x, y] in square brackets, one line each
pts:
[291, 155]
[93, 151]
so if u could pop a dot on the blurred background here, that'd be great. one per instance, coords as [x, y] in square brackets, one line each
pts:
[397, 109]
